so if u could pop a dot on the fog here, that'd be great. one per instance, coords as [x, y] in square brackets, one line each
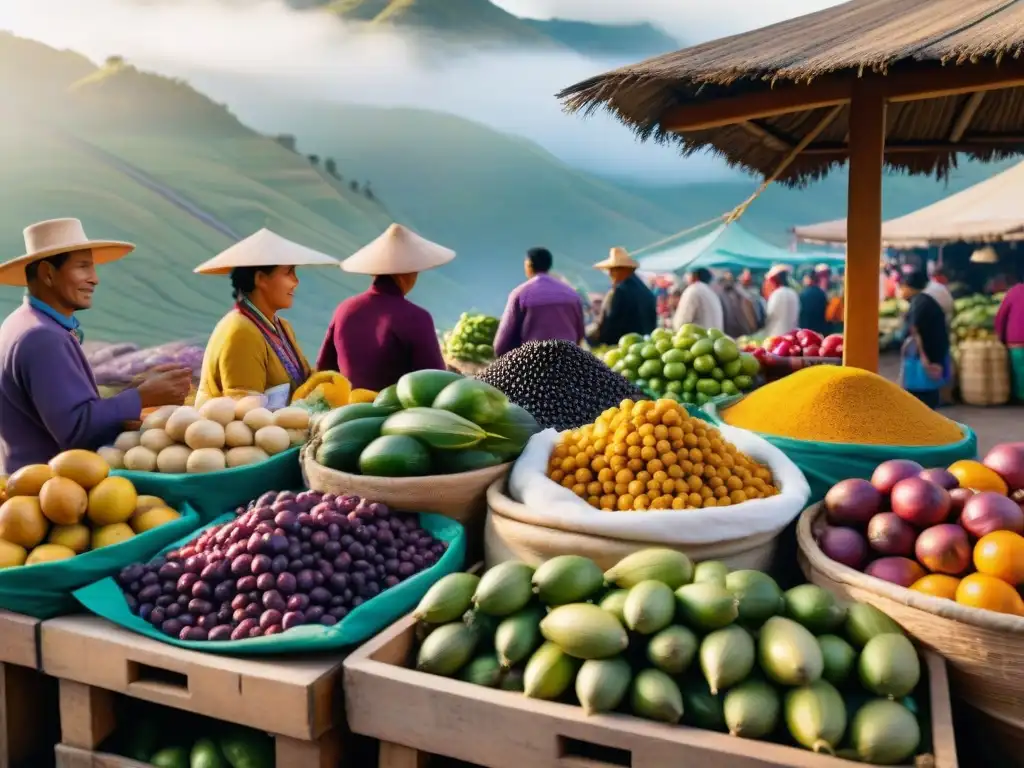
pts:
[222, 48]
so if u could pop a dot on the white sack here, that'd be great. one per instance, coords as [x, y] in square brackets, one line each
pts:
[548, 504]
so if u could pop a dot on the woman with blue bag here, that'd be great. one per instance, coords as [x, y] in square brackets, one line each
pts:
[926, 367]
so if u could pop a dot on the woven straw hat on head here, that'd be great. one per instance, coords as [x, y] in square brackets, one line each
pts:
[49, 238]
[778, 269]
[617, 257]
[398, 251]
[264, 249]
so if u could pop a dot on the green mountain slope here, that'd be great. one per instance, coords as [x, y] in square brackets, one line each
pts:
[481, 22]
[144, 152]
[487, 194]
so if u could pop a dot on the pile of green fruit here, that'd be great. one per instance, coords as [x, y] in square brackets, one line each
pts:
[167, 738]
[974, 317]
[893, 307]
[429, 423]
[694, 365]
[659, 638]
[472, 338]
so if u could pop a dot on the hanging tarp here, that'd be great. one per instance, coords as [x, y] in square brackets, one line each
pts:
[728, 246]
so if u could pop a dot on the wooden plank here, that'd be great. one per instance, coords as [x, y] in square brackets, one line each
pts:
[864, 227]
[28, 705]
[19, 640]
[292, 696]
[418, 715]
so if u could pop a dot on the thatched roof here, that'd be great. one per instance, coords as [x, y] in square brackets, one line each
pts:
[863, 38]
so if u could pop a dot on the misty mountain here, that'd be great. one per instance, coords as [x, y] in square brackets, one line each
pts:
[480, 22]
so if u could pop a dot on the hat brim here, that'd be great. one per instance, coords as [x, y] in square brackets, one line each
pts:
[368, 264]
[264, 249]
[608, 264]
[103, 252]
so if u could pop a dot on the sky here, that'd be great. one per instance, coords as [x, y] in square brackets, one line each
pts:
[223, 47]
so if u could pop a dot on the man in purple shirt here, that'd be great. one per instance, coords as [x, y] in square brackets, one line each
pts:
[49, 401]
[540, 309]
[378, 336]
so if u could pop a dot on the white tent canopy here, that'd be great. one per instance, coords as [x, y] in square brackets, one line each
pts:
[989, 211]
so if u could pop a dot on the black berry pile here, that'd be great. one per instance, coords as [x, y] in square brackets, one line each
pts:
[560, 384]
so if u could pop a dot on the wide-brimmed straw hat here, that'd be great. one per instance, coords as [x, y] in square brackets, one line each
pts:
[264, 249]
[617, 257]
[397, 251]
[49, 238]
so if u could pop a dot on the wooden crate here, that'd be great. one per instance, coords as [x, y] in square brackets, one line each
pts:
[28, 700]
[416, 716]
[297, 700]
[73, 757]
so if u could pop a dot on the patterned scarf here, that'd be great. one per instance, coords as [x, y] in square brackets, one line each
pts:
[274, 333]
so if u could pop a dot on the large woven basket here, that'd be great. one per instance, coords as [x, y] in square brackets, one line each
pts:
[984, 649]
[508, 537]
[461, 496]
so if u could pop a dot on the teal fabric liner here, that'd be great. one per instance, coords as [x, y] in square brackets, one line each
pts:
[210, 494]
[105, 598]
[44, 590]
[825, 464]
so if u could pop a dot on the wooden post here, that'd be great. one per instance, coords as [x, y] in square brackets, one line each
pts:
[864, 224]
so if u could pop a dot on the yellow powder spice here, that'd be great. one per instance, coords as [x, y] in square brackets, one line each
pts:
[837, 404]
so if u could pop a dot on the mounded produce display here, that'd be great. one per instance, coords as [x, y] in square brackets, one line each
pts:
[953, 533]
[559, 384]
[472, 339]
[429, 423]
[317, 566]
[661, 639]
[654, 455]
[325, 390]
[223, 433]
[799, 343]
[693, 365]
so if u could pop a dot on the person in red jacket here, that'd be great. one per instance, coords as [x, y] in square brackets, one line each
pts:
[1009, 327]
[378, 336]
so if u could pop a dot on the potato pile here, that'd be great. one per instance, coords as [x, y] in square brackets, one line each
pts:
[222, 434]
[59, 510]
[654, 455]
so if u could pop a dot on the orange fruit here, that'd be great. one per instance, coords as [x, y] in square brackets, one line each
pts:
[1001, 554]
[979, 590]
[977, 477]
[937, 585]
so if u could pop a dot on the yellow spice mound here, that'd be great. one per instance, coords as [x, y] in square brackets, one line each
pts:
[835, 404]
[646, 455]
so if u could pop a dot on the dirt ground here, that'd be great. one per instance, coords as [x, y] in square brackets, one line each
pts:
[992, 425]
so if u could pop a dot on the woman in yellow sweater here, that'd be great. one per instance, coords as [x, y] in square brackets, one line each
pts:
[252, 349]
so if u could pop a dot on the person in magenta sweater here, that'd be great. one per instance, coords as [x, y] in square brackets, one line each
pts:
[49, 401]
[540, 309]
[1009, 327]
[378, 336]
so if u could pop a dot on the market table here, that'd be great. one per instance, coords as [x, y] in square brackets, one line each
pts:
[27, 697]
[296, 699]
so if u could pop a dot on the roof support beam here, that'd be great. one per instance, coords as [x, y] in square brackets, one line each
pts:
[896, 87]
[967, 113]
[968, 144]
[769, 137]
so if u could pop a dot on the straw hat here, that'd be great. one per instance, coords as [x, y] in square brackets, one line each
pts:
[397, 251]
[617, 257]
[264, 249]
[49, 238]
[986, 255]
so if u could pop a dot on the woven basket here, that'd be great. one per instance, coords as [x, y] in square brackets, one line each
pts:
[461, 496]
[508, 537]
[984, 373]
[984, 650]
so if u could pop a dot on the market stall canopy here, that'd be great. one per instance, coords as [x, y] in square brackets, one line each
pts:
[926, 79]
[988, 211]
[727, 246]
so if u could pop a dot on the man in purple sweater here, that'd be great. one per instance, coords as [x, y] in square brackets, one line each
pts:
[49, 401]
[540, 309]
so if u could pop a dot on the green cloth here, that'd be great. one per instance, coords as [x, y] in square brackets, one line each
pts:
[44, 590]
[1017, 372]
[211, 494]
[104, 598]
[825, 464]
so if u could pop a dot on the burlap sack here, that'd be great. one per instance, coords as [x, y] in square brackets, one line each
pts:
[507, 536]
